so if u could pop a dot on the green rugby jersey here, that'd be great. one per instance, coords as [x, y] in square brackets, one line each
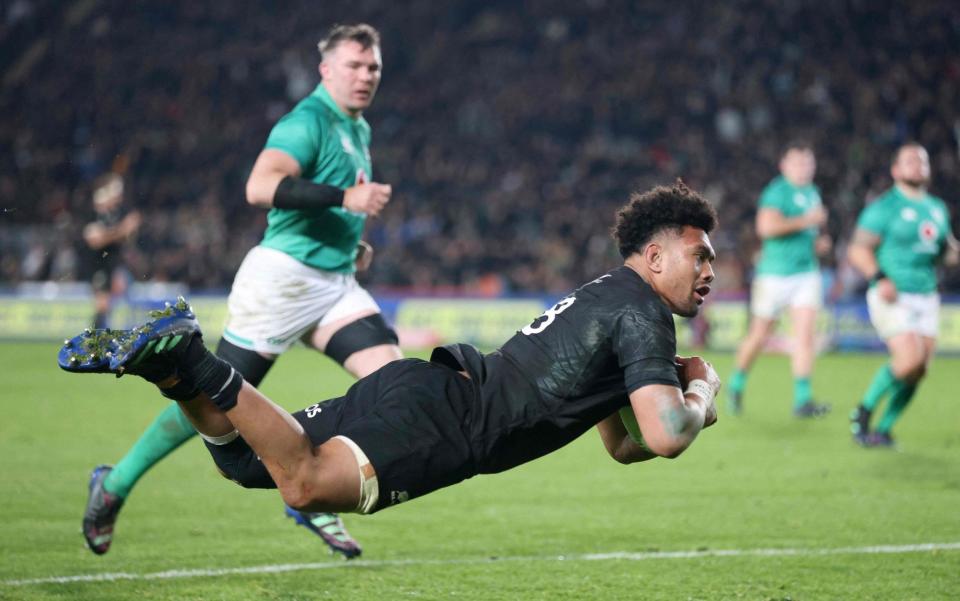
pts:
[794, 252]
[332, 148]
[912, 233]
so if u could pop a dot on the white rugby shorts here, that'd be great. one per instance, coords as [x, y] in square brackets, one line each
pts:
[771, 294]
[911, 312]
[276, 299]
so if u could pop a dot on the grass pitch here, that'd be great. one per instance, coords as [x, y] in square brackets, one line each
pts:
[761, 507]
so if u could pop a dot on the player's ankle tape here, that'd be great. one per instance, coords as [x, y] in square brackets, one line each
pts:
[181, 391]
[217, 379]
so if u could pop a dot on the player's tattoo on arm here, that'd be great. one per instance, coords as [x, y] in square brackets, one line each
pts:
[674, 422]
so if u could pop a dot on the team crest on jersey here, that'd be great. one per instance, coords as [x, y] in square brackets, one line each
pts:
[928, 231]
[799, 199]
[937, 215]
[908, 214]
[346, 143]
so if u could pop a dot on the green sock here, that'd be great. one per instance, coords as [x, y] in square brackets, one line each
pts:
[898, 402]
[882, 383]
[168, 431]
[738, 381]
[801, 392]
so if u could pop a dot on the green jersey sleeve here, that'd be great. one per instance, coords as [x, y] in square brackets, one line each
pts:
[874, 218]
[300, 134]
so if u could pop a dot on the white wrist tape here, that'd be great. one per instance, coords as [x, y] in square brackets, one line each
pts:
[701, 389]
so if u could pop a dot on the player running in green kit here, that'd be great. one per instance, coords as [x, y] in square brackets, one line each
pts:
[315, 176]
[788, 275]
[899, 239]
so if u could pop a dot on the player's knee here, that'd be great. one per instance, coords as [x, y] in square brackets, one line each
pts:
[299, 491]
[916, 372]
[908, 365]
[366, 332]
[294, 496]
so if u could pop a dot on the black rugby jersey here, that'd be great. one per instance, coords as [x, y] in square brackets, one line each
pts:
[572, 367]
[108, 257]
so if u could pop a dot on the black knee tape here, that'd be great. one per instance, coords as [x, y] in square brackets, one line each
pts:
[251, 365]
[211, 374]
[181, 391]
[358, 335]
[238, 462]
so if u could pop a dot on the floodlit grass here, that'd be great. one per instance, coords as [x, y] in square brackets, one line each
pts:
[761, 481]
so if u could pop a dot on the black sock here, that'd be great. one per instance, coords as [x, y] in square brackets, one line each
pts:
[211, 374]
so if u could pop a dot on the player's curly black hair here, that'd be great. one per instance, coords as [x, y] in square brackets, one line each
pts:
[661, 208]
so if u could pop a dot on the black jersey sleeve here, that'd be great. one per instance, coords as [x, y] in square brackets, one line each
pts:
[646, 344]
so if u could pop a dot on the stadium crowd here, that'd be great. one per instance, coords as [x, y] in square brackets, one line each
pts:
[509, 133]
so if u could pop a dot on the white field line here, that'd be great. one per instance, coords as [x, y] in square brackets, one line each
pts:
[373, 563]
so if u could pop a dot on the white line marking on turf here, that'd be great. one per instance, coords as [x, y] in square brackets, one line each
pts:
[373, 563]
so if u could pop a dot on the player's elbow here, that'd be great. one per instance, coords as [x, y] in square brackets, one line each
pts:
[262, 186]
[673, 454]
[255, 194]
[668, 447]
